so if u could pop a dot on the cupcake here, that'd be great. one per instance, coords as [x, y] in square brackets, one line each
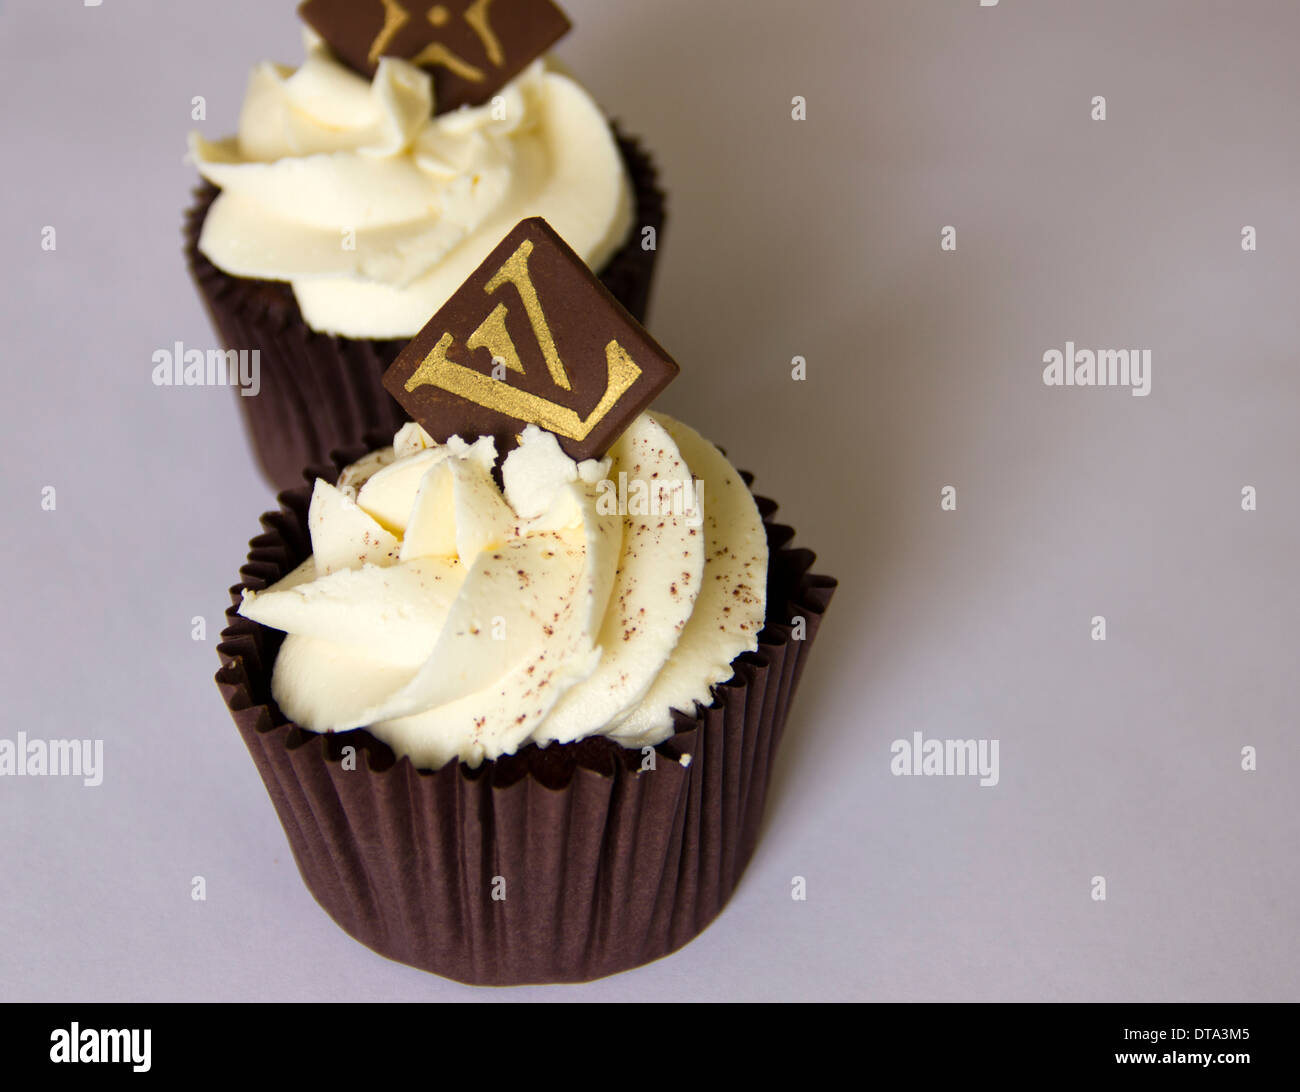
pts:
[352, 203]
[517, 709]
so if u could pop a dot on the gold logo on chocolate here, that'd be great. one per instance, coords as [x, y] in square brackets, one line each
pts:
[437, 371]
[396, 17]
[582, 384]
[473, 47]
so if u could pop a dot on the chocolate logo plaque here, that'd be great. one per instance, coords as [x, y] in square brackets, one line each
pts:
[532, 337]
[471, 47]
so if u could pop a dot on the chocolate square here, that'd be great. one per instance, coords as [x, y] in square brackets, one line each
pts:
[473, 48]
[532, 337]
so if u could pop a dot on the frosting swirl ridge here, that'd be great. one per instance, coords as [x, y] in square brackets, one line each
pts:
[375, 210]
[458, 619]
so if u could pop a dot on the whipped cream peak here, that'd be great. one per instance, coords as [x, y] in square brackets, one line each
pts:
[456, 618]
[375, 210]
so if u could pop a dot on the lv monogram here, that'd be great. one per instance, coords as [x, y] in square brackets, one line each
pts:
[565, 356]
[470, 48]
[437, 370]
[396, 16]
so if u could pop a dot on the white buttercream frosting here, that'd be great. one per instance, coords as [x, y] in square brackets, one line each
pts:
[376, 211]
[457, 619]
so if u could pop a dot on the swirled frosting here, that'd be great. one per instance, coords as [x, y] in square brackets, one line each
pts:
[460, 620]
[376, 211]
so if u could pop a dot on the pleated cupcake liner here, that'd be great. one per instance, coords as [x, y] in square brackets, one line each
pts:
[557, 864]
[320, 392]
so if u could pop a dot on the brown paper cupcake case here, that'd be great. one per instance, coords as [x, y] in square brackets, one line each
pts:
[603, 867]
[320, 392]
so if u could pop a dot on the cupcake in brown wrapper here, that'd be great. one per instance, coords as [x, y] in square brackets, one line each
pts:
[555, 864]
[321, 392]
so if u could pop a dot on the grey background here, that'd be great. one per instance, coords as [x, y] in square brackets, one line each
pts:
[821, 239]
